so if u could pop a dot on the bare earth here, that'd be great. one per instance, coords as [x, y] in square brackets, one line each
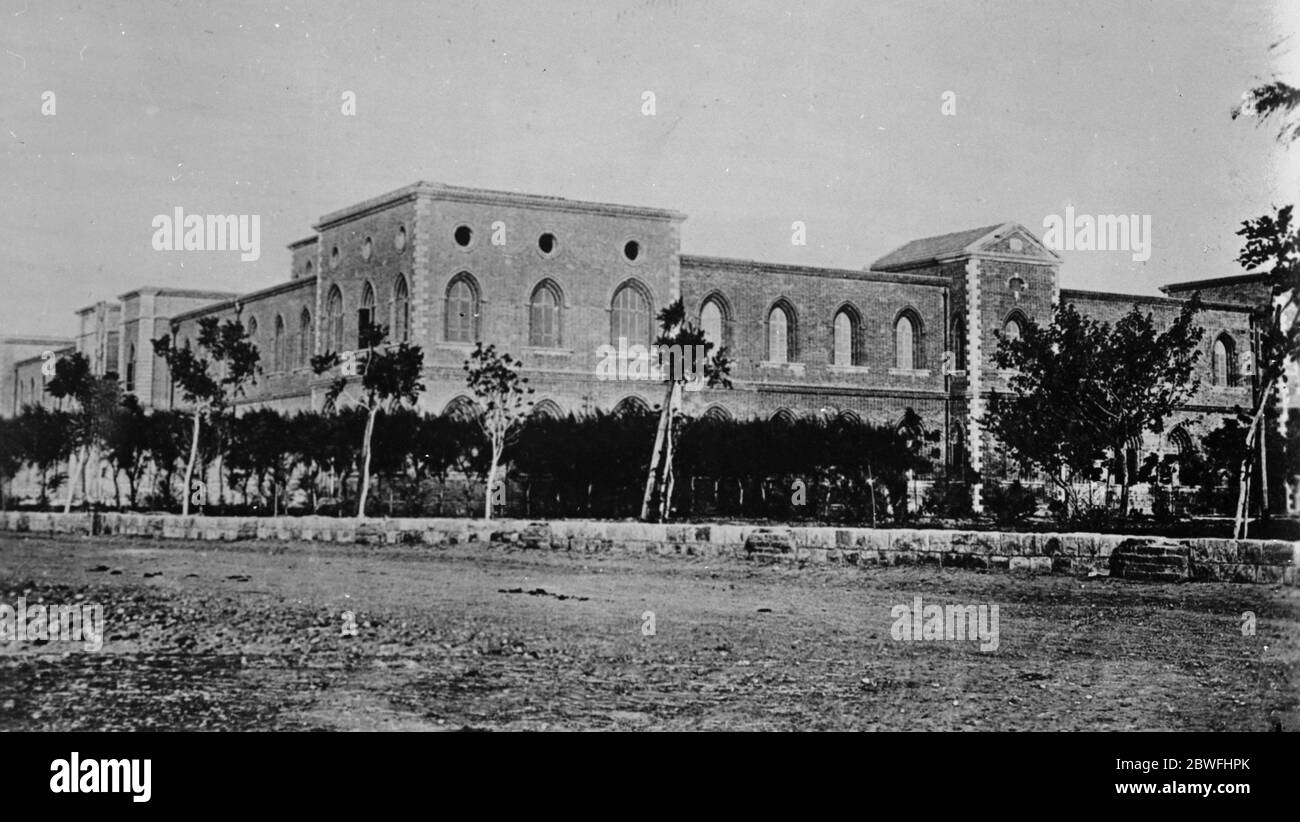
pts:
[249, 636]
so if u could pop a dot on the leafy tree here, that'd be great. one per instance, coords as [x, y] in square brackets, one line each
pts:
[169, 434]
[261, 448]
[127, 445]
[11, 454]
[44, 443]
[225, 346]
[1081, 388]
[1273, 244]
[1268, 99]
[94, 400]
[386, 376]
[503, 405]
[678, 343]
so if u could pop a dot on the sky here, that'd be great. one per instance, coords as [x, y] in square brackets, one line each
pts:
[765, 113]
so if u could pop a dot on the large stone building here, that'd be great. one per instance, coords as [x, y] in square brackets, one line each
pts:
[552, 280]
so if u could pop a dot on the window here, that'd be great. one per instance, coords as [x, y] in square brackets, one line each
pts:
[783, 417]
[713, 318]
[959, 343]
[631, 407]
[547, 244]
[401, 310]
[334, 321]
[252, 329]
[279, 361]
[462, 310]
[906, 350]
[130, 370]
[845, 349]
[780, 334]
[461, 408]
[544, 317]
[1011, 329]
[334, 257]
[547, 409]
[1221, 361]
[31, 384]
[365, 315]
[305, 342]
[464, 235]
[631, 250]
[367, 249]
[307, 269]
[400, 240]
[630, 316]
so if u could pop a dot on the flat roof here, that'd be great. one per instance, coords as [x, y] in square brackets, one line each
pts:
[443, 191]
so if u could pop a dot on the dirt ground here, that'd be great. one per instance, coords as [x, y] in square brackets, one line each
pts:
[204, 636]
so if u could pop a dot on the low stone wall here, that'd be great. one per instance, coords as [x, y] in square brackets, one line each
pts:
[1210, 559]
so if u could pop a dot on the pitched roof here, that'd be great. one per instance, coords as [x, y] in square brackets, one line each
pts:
[929, 248]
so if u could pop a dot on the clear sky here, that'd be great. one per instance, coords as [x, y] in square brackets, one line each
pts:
[828, 113]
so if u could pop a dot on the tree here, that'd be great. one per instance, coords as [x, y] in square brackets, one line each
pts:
[94, 400]
[44, 443]
[684, 356]
[1272, 98]
[1081, 388]
[11, 454]
[229, 348]
[387, 376]
[126, 445]
[503, 403]
[1272, 243]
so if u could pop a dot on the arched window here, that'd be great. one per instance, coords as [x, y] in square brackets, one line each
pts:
[130, 370]
[959, 343]
[31, 390]
[461, 408]
[845, 350]
[306, 343]
[252, 330]
[1012, 328]
[365, 315]
[334, 320]
[462, 310]
[629, 317]
[401, 310]
[544, 316]
[716, 413]
[783, 417]
[631, 406]
[780, 333]
[1222, 356]
[279, 361]
[547, 409]
[907, 342]
[713, 321]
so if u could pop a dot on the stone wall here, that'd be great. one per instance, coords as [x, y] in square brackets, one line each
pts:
[1269, 562]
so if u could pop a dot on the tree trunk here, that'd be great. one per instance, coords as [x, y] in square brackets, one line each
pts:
[1243, 476]
[77, 460]
[491, 480]
[189, 466]
[656, 455]
[365, 462]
